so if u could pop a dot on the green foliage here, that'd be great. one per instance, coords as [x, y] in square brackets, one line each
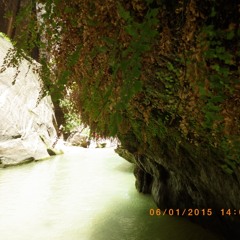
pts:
[128, 60]
[142, 35]
[124, 64]
[154, 70]
[220, 61]
[71, 116]
[156, 128]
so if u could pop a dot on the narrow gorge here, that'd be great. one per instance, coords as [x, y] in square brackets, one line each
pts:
[162, 77]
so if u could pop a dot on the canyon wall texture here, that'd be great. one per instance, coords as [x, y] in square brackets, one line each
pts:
[27, 130]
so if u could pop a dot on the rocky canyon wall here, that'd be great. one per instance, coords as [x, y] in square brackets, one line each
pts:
[27, 130]
[188, 182]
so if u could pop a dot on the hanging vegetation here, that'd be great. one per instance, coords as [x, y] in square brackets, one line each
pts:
[156, 69]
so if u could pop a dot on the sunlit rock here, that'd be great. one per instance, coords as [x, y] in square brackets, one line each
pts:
[78, 139]
[26, 120]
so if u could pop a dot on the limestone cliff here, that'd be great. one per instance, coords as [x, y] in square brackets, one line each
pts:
[26, 119]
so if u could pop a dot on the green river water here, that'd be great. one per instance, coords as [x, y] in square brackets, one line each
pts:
[85, 194]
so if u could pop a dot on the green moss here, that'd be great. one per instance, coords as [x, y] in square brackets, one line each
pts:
[3, 35]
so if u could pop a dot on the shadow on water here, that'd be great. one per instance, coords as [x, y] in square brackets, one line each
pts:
[130, 220]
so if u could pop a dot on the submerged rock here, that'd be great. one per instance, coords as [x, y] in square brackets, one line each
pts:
[27, 119]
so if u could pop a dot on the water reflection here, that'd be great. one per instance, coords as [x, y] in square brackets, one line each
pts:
[86, 194]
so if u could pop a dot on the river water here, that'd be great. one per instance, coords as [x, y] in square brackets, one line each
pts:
[85, 194]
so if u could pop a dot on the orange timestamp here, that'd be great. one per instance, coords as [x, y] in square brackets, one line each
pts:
[190, 212]
[230, 212]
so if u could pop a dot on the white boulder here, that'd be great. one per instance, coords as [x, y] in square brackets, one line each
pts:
[26, 119]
